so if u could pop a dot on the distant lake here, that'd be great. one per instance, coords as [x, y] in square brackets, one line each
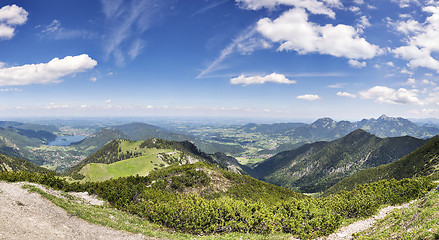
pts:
[66, 140]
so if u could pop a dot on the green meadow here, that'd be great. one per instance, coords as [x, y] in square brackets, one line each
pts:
[139, 165]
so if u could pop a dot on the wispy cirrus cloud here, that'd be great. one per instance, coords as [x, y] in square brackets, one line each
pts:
[206, 8]
[56, 31]
[127, 21]
[245, 43]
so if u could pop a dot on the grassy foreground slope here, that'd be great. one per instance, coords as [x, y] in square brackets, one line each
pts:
[424, 161]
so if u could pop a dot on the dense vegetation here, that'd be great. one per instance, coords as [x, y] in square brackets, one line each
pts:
[424, 161]
[317, 166]
[202, 199]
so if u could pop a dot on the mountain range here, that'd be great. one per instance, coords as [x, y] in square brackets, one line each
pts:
[324, 129]
[424, 161]
[317, 166]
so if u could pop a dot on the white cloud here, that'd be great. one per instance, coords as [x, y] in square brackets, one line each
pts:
[411, 81]
[421, 40]
[346, 94]
[11, 16]
[363, 23]
[359, 2]
[427, 74]
[6, 32]
[427, 82]
[274, 77]
[417, 57]
[354, 9]
[356, 64]
[405, 71]
[93, 79]
[313, 6]
[409, 26]
[405, 3]
[390, 64]
[382, 94]
[45, 73]
[309, 97]
[108, 101]
[294, 32]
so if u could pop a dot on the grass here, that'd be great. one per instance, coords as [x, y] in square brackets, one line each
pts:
[249, 161]
[420, 220]
[139, 165]
[119, 220]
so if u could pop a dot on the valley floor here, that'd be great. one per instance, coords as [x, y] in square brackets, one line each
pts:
[26, 215]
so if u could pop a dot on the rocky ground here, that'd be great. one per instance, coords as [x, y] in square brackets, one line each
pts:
[25, 215]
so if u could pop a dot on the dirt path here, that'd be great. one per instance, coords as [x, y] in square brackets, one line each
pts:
[25, 215]
[356, 227]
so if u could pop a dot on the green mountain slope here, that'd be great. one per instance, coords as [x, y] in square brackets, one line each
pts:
[16, 164]
[16, 142]
[98, 140]
[316, 167]
[424, 161]
[120, 158]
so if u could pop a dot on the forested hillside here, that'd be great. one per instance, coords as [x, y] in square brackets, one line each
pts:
[424, 161]
[13, 164]
[317, 166]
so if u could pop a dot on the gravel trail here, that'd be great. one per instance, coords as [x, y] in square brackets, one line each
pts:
[346, 232]
[25, 215]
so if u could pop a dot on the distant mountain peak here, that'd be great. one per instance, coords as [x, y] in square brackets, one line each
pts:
[385, 118]
[325, 122]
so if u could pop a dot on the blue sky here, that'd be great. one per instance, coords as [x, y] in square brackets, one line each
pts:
[286, 59]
